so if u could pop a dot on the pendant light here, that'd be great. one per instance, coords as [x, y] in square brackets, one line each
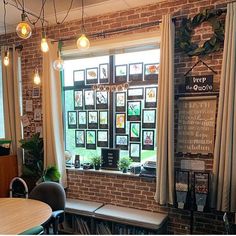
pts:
[44, 43]
[83, 41]
[58, 64]
[6, 59]
[37, 79]
[23, 29]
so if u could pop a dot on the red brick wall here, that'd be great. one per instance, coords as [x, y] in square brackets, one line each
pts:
[116, 189]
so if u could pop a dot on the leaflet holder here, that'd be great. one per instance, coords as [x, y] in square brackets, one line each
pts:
[181, 187]
[201, 189]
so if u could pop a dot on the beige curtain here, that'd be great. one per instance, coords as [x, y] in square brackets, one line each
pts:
[11, 103]
[224, 174]
[52, 114]
[165, 118]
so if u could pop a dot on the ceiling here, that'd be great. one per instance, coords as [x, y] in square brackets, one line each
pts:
[91, 8]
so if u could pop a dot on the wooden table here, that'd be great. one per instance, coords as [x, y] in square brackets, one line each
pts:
[20, 214]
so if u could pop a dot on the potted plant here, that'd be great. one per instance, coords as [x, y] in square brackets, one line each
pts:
[33, 170]
[96, 161]
[124, 164]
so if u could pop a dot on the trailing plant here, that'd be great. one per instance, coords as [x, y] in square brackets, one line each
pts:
[209, 46]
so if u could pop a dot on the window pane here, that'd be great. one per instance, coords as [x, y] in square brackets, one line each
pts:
[2, 131]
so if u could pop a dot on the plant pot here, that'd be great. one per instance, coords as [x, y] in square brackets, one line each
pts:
[97, 167]
[125, 170]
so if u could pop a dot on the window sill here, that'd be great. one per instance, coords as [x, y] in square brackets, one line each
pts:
[112, 172]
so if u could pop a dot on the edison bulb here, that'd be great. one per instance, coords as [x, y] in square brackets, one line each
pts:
[44, 45]
[23, 30]
[58, 64]
[83, 42]
[37, 79]
[6, 59]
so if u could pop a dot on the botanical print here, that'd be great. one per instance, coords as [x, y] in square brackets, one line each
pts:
[93, 116]
[134, 130]
[103, 117]
[79, 136]
[78, 96]
[136, 68]
[79, 75]
[102, 136]
[120, 120]
[102, 98]
[92, 73]
[134, 108]
[148, 138]
[90, 137]
[151, 95]
[89, 97]
[120, 99]
[121, 70]
[134, 149]
[121, 140]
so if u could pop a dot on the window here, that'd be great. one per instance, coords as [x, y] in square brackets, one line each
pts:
[110, 101]
[2, 130]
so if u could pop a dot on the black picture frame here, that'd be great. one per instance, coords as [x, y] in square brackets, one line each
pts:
[134, 93]
[121, 141]
[78, 99]
[92, 75]
[103, 119]
[89, 99]
[101, 100]
[120, 123]
[135, 152]
[91, 139]
[150, 97]
[102, 138]
[148, 139]
[79, 138]
[92, 119]
[121, 73]
[134, 110]
[151, 71]
[135, 131]
[136, 71]
[104, 73]
[72, 119]
[149, 118]
[120, 101]
[79, 77]
[82, 119]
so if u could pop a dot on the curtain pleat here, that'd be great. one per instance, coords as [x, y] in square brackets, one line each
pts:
[224, 181]
[52, 114]
[165, 117]
[11, 103]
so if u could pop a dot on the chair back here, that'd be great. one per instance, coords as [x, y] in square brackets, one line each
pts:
[226, 223]
[18, 188]
[51, 193]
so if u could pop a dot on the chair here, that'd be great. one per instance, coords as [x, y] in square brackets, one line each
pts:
[33, 231]
[18, 188]
[54, 195]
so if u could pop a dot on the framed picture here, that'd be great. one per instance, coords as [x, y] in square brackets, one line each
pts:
[82, 119]
[102, 140]
[89, 102]
[102, 100]
[149, 118]
[120, 122]
[136, 71]
[103, 119]
[122, 141]
[90, 139]
[151, 97]
[92, 119]
[135, 151]
[92, 75]
[121, 73]
[134, 110]
[135, 93]
[148, 140]
[134, 131]
[120, 101]
[36, 92]
[151, 71]
[79, 138]
[103, 73]
[78, 99]
[72, 119]
[78, 77]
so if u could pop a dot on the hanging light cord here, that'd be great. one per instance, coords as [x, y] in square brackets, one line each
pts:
[82, 19]
[4, 19]
[55, 12]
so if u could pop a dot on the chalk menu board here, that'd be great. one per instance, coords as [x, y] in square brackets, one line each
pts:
[196, 124]
[110, 158]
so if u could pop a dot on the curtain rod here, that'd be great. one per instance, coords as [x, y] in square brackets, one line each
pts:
[116, 31]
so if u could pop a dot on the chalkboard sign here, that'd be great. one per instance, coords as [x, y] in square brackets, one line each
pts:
[196, 124]
[203, 83]
[110, 158]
